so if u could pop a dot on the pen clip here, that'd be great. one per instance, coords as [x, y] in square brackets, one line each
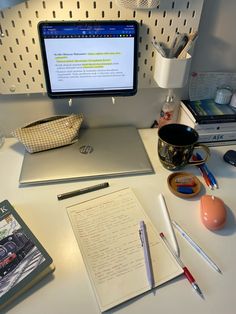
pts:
[140, 236]
[159, 48]
[181, 43]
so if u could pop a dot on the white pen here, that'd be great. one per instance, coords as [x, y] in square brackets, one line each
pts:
[196, 247]
[171, 232]
[147, 256]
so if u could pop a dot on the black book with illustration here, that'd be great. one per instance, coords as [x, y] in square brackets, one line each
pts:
[207, 111]
[23, 260]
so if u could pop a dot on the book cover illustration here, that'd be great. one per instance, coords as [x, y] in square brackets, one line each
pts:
[22, 257]
[208, 109]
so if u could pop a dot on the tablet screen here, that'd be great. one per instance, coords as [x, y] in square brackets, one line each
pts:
[90, 58]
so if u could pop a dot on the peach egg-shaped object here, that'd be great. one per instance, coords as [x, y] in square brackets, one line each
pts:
[212, 212]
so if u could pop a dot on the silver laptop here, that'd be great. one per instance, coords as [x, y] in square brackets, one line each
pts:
[99, 152]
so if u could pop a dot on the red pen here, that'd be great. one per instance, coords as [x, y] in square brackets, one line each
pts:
[205, 177]
[187, 273]
[204, 174]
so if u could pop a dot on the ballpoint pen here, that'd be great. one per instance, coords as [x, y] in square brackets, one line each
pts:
[208, 172]
[159, 48]
[169, 224]
[205, 177]
[148, 263]
[181, 42]
[204, 174]
[196, 247]
[187, 273]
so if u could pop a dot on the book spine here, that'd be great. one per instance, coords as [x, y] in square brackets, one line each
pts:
[216, 127]
[224, 119]
[219, 143]
[214, 137]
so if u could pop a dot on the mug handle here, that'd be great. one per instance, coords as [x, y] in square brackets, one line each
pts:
[200, 162]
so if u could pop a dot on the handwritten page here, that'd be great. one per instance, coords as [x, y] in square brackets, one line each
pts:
[107, 231]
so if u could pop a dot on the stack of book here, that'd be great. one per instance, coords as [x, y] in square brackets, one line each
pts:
[215, 124]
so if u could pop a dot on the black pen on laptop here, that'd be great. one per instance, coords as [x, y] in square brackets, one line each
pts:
[83, 191]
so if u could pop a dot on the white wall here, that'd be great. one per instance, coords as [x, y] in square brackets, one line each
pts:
[215, 50]
[139, 110]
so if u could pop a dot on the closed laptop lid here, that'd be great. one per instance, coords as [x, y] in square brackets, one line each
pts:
[99, 152]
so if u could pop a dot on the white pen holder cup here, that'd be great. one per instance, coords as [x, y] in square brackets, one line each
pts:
[171, 72]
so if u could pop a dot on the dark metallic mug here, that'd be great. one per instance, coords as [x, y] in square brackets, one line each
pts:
[176, 143]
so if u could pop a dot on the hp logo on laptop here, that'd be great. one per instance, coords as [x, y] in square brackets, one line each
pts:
[86, 149]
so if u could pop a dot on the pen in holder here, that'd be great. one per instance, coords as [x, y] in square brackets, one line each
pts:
[171, 72]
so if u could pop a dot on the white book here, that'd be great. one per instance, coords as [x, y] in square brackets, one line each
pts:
[107, 232]
[219, 143]
[217, 137]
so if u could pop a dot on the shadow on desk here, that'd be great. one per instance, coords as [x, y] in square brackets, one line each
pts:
[230, 226]
[223, 169]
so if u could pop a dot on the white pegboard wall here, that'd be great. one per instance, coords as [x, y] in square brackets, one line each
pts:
[20, 56]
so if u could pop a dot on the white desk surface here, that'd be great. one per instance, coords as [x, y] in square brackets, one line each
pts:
[68, 290]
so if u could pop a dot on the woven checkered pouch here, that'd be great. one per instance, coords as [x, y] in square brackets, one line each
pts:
[49, 133]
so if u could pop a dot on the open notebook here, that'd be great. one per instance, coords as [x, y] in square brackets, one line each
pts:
[107, 231]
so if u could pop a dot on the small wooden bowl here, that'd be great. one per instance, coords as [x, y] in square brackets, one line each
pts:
[172, 184]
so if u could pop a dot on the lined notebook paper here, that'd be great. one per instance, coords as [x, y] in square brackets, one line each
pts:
[107, 232]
